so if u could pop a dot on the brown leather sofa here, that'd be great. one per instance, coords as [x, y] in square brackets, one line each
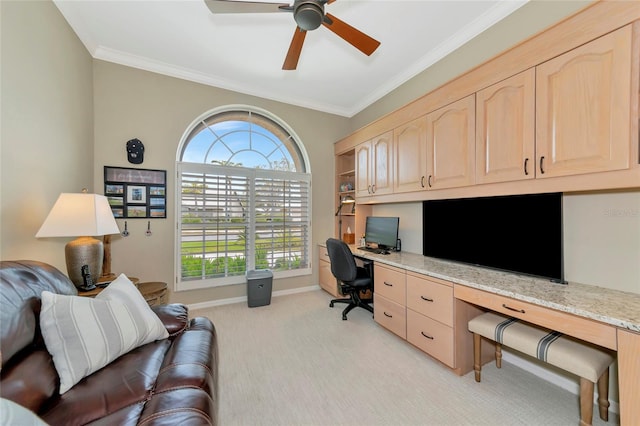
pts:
[171, 381]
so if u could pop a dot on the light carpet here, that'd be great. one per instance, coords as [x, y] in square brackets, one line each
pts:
[296, 362]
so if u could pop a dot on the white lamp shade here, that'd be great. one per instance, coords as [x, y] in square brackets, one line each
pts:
[75, 215]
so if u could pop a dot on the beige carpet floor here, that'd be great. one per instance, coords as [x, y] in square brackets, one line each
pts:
[295, 362]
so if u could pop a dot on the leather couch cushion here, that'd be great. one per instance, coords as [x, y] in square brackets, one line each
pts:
[21, 283]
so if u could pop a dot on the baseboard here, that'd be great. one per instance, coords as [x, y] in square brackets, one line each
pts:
[563, 382]
[229, 301]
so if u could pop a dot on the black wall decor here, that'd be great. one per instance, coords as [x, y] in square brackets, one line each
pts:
[135, 151]
[136, 193]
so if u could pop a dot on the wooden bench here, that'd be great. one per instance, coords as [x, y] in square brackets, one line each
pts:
[589, 362]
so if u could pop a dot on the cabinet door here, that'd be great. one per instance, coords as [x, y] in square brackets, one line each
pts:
[382, 164]
[363, 169]
[583, 106]
[505, 130]
[410, 157]
[451, 145]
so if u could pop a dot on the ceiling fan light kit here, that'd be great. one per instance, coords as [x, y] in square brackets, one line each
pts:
[308, 15]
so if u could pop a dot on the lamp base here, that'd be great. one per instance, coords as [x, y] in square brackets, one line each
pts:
[83, 251]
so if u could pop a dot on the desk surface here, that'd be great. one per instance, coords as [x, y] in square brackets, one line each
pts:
[618, 308]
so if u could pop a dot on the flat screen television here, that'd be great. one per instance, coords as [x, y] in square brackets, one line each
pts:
[381, 231]
[518, 233]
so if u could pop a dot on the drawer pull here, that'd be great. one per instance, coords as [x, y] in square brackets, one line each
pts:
[388, 284]
[387, 315]
[426, 335]
[513, 309]
[426, 299]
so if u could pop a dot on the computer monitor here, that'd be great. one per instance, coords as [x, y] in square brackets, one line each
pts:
[381, 231]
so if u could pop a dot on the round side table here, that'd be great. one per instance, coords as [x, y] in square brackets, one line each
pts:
[154, 292]
[97, 290]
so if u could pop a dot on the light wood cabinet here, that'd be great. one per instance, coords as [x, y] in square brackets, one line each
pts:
[430, 317]
[505, 130]
[451, 145]
[364, 166]
[422, 310]
[326, 279]
[583, 106]
[410, 156]
[629, 363]
[389, 306]
[374, 166]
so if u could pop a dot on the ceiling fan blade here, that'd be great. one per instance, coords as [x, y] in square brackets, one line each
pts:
[291, 61]
[355, 37]
[227, 6]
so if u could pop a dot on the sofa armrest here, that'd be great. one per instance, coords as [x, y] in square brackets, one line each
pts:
[174, 316]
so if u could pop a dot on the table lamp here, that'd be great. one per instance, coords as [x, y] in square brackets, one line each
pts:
[83, 216]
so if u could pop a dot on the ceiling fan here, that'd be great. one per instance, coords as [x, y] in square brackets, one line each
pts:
[308, 15]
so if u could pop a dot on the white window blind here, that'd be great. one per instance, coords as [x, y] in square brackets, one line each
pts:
[235, 219]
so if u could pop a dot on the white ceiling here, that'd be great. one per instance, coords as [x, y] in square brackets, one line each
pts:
[245, 52]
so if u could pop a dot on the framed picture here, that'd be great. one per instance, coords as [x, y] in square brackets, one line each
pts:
[136, 193]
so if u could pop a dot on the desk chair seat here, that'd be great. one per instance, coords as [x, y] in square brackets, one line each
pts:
[352, 278]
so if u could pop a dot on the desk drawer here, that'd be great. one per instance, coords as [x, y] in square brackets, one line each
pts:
[390, 315]
[430, 298]
[429, 335]
[390, 282]
[582, 328]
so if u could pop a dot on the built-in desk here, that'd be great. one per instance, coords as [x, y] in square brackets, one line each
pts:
[606, 317]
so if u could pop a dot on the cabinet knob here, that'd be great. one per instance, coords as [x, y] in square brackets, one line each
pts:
[542, 165]
[422, 181]
[526, 162]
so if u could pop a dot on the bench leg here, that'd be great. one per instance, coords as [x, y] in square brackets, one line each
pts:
[477, 363]
[498, 355]
[603, 395]
[586, 402]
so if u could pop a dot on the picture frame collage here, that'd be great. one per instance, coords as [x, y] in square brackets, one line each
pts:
[136, 193]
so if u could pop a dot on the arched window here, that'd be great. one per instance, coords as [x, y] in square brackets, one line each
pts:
[244, 192]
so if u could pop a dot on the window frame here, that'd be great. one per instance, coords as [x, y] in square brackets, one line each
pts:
[294, 140]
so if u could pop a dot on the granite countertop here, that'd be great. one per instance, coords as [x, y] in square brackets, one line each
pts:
[618, 308]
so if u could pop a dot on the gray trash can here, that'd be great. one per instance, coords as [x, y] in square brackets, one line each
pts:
[259, 283]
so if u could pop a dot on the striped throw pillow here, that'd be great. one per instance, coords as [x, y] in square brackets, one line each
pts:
[83, 334]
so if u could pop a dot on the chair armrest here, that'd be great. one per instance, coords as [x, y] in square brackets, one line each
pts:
[174, 316]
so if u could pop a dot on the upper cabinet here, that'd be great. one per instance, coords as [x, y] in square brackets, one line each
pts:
[583, 106]
[374, 166]
[451, 145]
[410, 156]
[559, 112]
[505, 130]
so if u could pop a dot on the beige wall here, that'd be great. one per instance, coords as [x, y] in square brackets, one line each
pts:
[47, 125]
[156, 109]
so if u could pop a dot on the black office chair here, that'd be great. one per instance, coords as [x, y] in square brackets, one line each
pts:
[353, 279]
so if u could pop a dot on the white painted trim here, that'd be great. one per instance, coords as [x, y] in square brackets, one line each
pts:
[229, 301]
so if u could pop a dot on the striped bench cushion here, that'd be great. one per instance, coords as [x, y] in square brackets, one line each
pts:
[565, 352]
